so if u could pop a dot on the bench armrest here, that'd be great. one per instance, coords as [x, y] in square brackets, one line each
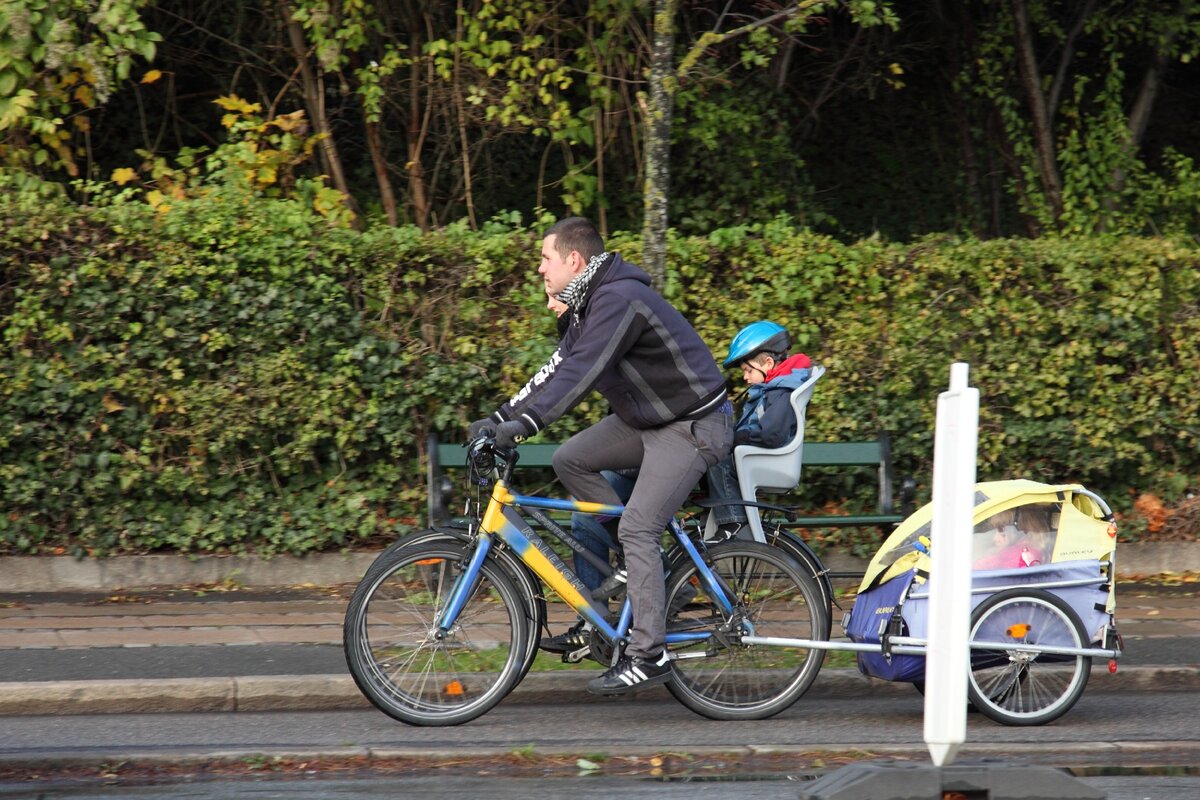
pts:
[436, 483]
[887, 479]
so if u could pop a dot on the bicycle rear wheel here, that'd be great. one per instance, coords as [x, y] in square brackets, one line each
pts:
[394, 650]
[719, 677]
[796, 548]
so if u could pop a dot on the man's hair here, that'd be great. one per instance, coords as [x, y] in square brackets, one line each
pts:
[576, 233]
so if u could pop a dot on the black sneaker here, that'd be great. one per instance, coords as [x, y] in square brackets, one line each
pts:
[632, 672]
[684, 596]
[724, 533]
[574, 638]
[613, 586]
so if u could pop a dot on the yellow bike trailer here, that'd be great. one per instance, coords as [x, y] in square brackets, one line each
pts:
[1042, 599]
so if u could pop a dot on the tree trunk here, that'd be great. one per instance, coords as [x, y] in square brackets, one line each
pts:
[598, 136]
[387, 197]
[1143, 105]
[460, 108]
[418, 124]
[314, 100]
[658, 142]
[664, 80]
[1139, 116]
[1059, 83]
[1043, 136]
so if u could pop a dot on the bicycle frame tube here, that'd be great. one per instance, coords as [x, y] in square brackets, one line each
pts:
[716, 589]
[502, 520]
[555, 504]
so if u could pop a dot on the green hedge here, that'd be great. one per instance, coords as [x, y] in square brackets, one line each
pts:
[235, 374]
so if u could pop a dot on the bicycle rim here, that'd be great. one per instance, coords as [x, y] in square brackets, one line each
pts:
[721, 678]
[521, 576]
[1018, 685]
[401, 664]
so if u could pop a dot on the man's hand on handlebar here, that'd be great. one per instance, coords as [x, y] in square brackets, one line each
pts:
[482, 427]
[510, 434]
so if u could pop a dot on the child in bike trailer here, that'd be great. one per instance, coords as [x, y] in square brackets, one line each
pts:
[760, 350]
[671, 418]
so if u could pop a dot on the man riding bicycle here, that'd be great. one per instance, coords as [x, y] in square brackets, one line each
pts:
[671, 418]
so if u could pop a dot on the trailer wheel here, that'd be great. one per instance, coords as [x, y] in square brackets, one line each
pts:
[1016, 683]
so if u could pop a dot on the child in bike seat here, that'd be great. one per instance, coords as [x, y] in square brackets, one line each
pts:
[760, 350]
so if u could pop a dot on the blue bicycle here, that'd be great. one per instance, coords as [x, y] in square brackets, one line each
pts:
[442, 627]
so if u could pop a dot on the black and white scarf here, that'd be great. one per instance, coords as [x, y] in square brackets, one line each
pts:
[577, 289]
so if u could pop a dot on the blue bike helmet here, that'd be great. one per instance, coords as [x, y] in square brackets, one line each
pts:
[757, 337]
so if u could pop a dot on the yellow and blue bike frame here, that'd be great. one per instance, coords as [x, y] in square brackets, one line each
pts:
[502, 520]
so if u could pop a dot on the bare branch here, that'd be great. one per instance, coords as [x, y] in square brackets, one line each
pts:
[712, 38]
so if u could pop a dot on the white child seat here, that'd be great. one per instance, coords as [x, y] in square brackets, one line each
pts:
[777, 470]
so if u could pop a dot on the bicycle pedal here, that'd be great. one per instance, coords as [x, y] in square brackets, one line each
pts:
[575, 656]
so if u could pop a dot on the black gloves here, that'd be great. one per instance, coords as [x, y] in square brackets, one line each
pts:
[507, 434]
[511, 433]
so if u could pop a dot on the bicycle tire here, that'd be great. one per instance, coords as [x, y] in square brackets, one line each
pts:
[796, 548]
[720, 678]
[391, 649]
[1015, 686]
[527, 582]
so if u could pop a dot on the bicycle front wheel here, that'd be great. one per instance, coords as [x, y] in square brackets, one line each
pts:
[526, 582]
[716, 675]
[409, 669]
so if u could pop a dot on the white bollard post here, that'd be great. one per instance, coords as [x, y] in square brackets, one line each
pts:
[948, 655]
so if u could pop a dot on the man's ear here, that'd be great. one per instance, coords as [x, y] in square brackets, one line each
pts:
[578, 262]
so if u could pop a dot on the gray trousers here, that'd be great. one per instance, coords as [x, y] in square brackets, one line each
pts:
[671, 460]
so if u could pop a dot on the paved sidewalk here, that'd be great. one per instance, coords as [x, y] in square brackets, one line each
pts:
[268, 649]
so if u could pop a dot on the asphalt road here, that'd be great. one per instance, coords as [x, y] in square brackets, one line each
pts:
[1113, 725]
[100, 663]
[1104, 730]
[780, 787]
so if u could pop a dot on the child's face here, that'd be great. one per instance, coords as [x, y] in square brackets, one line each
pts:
[754, 370]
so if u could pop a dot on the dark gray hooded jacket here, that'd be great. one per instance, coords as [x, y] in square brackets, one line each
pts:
[625, 341]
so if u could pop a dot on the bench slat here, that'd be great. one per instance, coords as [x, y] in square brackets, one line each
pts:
[831, 454]
[816, 454]
[454, 456]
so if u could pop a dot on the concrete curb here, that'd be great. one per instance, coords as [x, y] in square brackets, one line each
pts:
[338, 692]
[1084, 752]
[63, 573]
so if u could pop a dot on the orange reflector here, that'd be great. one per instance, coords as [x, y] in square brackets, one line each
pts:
[1112, 666]
[455, 688]
[1112, 530]
[427, 561]
[1018, 631]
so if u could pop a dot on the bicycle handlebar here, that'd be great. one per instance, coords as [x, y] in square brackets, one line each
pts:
[481, 458]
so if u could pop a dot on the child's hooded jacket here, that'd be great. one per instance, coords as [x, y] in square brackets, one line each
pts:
[767, 419]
